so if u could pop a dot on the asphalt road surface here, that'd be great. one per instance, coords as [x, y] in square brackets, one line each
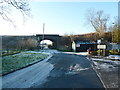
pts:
[60, 71]
[71, 71]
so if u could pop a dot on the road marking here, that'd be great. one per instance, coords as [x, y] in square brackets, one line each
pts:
[99, 77]
[97, 73]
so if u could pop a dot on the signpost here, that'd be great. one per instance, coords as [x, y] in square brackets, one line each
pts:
[99, 41]
[102, 47]
[78, 45]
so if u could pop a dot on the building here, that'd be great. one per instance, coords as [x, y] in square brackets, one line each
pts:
[82, 46]
[115, 46]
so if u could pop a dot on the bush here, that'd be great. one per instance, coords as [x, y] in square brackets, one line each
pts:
[112, 52]
[107, 52]
[64, 50]
[101, 52]
[93, 52]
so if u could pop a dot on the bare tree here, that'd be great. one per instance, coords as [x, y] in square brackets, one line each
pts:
[72, 37]
[98, 20]
[31, 43]
[6, 7]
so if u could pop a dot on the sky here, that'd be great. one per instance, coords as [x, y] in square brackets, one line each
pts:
[59, 18]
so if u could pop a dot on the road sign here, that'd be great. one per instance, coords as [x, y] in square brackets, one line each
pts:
[98, 41]
[101, 46]
[78, 45]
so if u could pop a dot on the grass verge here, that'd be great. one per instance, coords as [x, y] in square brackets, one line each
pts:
[14, 62]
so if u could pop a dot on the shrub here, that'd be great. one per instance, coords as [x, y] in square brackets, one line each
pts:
[112, 52]
[101, 52]
[93, 52]
[64, 50]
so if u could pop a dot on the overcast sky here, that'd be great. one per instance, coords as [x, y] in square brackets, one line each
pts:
[59, 18]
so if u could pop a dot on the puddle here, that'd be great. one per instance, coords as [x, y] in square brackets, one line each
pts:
[75, 69]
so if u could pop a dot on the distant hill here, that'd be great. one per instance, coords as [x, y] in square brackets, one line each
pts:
[93, 36]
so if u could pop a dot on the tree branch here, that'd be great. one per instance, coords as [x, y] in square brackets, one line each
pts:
[6, 5]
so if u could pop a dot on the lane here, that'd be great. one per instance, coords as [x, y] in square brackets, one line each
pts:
[71, 71]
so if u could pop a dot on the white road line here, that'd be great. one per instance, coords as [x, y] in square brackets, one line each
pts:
[98, 75]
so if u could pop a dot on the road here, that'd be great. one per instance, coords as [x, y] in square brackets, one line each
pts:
[71, 71]
[60, 71]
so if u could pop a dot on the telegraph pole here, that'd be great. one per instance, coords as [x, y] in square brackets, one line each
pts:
[43, 35]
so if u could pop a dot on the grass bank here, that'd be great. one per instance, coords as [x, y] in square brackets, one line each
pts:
[14, 62]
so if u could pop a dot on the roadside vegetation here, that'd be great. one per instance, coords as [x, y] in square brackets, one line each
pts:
[107, 52]
[14, 62]
[4, 53]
